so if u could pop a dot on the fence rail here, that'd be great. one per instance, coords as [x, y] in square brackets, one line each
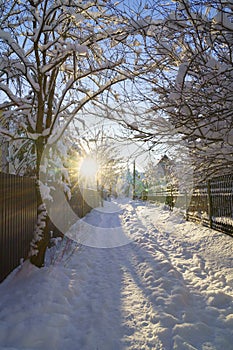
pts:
[171, 199]
[84, 200]
[64, 213]
[17, 220]
[210, 204]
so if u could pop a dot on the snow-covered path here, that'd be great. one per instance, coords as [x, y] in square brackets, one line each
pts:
[170, 287]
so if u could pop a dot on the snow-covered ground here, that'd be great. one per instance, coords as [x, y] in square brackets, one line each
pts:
[168, 286]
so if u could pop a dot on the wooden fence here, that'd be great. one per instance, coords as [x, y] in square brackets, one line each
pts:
[18, 213]
[169, 198]
[17, 220]
[210, 204]
[64, 213]
[84, 200]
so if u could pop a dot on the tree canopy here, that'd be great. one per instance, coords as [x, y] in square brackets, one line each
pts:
[190, 47]
[174, 58]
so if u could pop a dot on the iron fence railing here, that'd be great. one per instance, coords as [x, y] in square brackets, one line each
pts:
[210, 203]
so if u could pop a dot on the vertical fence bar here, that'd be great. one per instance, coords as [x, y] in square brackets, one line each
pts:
[219, 203]
[210, 206]
[17, 220]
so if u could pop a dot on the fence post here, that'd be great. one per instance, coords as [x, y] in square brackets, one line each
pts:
[210, 206]
[134, 180]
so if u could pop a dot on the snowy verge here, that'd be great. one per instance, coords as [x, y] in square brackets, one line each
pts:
[170, 288]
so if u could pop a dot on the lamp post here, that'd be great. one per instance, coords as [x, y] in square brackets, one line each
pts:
[134, 180]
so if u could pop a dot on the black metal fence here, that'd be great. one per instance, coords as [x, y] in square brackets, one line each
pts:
[210, 203]
[17, 220]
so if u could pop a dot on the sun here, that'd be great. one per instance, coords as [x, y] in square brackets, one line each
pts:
[88, 168]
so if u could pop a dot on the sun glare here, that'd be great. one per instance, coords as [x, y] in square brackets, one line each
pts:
[88, 168]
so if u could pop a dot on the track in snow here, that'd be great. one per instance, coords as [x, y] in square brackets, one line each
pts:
[152, 293]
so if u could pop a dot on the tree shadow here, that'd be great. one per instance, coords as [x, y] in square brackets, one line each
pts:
[128, 297]
[183, 316]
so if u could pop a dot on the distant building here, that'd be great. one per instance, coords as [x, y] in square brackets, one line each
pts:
[160, 175]
[165, 167]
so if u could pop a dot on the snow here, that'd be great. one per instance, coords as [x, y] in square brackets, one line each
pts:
[181, 73]
[223, 19]
[170, 287]
[45, 189]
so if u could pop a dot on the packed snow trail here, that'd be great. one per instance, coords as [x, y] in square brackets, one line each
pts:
[165, 289]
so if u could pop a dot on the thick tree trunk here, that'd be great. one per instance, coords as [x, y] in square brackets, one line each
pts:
[41, 237]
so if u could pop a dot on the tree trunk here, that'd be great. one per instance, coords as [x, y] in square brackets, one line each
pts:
[41, 237]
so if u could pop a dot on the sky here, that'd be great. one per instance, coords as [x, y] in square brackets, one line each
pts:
[116, 135]
[165, 284]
